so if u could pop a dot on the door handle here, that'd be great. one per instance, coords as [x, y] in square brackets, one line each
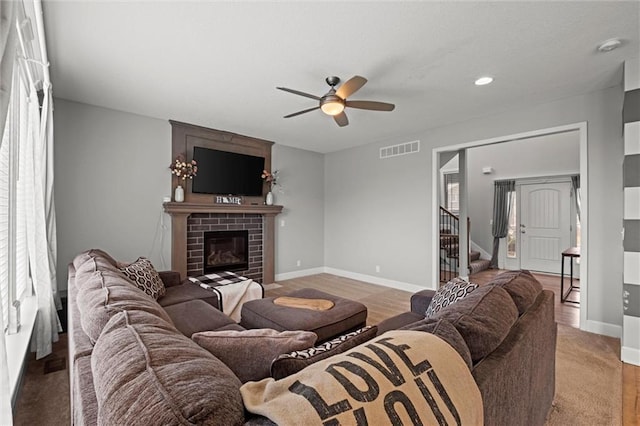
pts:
[522, 231]
[522, 226]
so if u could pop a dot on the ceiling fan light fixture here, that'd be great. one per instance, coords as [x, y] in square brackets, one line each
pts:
[332, 105]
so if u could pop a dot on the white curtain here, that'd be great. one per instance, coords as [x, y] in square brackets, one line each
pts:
[8, 39]
[36, 185]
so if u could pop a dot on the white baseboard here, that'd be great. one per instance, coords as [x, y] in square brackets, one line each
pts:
[298, 274]
[603, 328]
[630, 355]
[412, 288]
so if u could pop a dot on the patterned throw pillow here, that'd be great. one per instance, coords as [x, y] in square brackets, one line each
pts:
[145, 277]
[449, 293]
[292, 362]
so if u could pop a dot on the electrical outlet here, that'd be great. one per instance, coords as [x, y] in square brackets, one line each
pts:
[298, 263]
[378, 268]
[282, 225]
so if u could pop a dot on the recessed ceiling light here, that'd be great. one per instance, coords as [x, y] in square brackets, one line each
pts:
[609, 45]
[483, 80]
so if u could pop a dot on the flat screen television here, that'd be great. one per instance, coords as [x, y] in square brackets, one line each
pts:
[221, 172]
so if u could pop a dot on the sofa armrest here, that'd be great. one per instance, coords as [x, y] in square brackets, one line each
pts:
[420, 301]
[170, 278]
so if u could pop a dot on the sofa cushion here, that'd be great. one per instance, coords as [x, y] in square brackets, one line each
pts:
[483, 318]
[292, 362]
[142, 273]
[522, 286]
[104, 294]
[451, 292]
[93, 260]
[195, 316]
[447, 332]
[249, 353]
[188, 291]
[146, 372]
[398, 321]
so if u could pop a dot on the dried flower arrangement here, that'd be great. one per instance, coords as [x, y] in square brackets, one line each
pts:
[184, 169]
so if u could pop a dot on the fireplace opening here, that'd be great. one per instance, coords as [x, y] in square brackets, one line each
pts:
[226, 251]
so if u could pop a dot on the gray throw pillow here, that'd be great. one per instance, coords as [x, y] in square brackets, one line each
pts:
[291, 363]
[249, 353]
[449, 293]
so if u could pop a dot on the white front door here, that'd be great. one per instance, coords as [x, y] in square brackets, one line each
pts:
[544, 225]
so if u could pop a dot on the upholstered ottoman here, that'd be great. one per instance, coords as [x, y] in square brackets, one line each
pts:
[346, 315]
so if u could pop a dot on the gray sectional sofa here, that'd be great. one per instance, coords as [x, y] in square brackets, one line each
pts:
[132, 361]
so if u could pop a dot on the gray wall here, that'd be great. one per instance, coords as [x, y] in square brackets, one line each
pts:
[379, 211]
[111, 174]
[551, 155]
[301, 174]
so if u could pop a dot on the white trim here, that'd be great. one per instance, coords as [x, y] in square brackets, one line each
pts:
[630, 355]
[18, 344]
[606, 329]
[581, 127]
[412, 288]
[298, 274]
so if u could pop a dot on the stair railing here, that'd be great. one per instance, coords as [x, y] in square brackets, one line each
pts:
[450, 244]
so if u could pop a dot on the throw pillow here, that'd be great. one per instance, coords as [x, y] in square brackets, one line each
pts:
[449, 293]
[249, 353]
[400, 377]
[522, 286]
[145, 277]
[483, 319]
[291, 363]
[146, 373]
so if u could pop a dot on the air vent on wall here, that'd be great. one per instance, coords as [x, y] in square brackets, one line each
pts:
[400, 149]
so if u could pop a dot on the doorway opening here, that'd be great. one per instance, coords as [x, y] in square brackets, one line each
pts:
[549, 187]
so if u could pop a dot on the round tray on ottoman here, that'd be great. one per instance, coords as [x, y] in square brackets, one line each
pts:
[345, 315]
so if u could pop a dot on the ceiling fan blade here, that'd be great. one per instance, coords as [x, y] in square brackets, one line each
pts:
[297, 92]
[341, 119]
[370, 105]
[301, 112]
[351, 86]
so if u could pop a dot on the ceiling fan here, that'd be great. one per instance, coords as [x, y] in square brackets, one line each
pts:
[335, 101]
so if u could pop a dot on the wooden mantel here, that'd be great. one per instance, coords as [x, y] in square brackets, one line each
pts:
[181, 211]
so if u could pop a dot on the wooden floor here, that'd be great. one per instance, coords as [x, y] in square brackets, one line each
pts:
[384, 302]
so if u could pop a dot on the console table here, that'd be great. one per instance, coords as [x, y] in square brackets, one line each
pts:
[571, 253]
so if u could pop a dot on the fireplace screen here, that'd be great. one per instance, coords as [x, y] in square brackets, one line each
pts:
[226, 251]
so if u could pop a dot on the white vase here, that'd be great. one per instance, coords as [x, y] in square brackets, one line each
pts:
[269, 199]
[179, 194]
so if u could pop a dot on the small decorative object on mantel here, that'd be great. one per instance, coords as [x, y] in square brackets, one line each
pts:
[221, 199]
[271, 179]
[183, 170]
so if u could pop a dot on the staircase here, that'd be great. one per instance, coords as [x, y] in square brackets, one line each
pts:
[476, 264]
[450, 248]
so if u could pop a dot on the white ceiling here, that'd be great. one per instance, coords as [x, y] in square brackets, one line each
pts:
[216, 64]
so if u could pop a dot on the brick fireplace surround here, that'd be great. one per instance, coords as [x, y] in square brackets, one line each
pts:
[189, 222]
